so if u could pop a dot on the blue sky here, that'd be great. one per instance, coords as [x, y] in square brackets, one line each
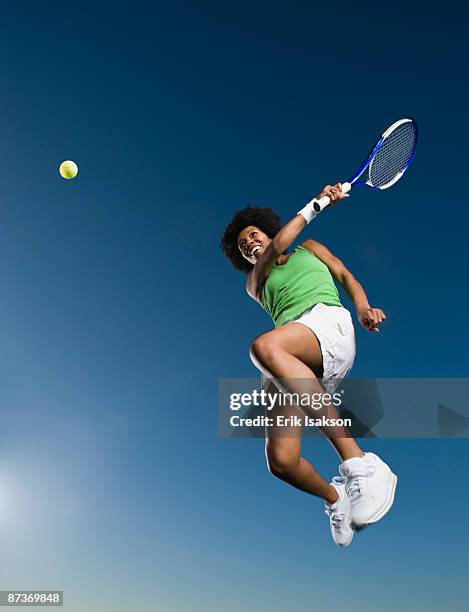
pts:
[119, 314]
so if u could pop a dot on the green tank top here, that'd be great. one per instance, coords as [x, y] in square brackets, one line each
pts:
[300, 283]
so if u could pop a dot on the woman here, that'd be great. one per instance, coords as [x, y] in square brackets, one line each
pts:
[313, 340]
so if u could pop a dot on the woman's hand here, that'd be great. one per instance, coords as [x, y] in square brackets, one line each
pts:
[370, 318]
[334, 193]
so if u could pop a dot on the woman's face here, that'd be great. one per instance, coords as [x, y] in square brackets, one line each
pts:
[252, 242]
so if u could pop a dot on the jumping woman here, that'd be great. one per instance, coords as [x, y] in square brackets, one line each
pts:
[311, 349]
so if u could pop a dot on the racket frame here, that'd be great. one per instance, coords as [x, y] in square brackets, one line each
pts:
[346, 186]
[369, 160]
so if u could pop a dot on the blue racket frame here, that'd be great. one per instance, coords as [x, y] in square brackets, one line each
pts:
[375, 149]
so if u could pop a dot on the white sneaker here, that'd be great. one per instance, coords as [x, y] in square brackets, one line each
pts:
[339, 514]
[370, 486]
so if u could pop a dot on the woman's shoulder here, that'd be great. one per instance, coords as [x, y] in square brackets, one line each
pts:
[310, 245]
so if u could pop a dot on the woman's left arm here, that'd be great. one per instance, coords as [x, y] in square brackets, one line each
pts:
[368, 316]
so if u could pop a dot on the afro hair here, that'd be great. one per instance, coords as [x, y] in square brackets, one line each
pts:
[264, 218]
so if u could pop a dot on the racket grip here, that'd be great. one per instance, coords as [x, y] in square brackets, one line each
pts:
[346, 187]
[325, 201]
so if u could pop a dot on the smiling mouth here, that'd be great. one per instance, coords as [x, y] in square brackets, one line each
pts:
[254, 250]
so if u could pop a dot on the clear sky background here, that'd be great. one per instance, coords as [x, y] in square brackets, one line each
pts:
[118, 313]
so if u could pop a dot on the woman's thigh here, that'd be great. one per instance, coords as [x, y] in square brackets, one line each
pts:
[299, 341]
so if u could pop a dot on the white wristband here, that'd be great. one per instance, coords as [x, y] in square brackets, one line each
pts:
[308, 212]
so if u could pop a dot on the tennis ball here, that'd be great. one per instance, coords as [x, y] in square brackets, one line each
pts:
[68, 169]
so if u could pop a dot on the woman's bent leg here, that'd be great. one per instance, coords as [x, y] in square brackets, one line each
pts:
[292, 354]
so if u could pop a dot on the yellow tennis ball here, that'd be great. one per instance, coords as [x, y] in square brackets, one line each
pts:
[68, 169]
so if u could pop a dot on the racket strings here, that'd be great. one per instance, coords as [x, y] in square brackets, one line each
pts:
[393, 155]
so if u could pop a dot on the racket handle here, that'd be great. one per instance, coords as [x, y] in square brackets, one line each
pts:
[346, 187]
[325, 201]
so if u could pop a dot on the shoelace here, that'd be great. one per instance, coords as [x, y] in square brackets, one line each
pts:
[354, 486]
[337, 518]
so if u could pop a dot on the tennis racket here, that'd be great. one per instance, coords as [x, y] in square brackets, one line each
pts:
[387, 162]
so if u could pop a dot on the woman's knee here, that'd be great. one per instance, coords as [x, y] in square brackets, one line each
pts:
[281, 461]
[262, 351]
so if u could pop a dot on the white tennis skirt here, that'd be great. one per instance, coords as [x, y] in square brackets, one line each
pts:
[333, 328]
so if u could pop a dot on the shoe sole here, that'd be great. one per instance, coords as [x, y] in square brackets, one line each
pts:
[384, 510]
[344, 545]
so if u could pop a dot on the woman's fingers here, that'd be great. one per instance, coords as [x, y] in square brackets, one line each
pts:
[380, 314]
[337, 193]
[334, 193]
[374, 317]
